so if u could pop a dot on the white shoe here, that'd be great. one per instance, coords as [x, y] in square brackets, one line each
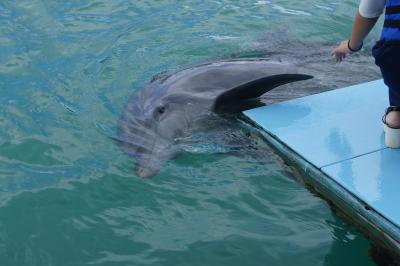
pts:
[392, 135]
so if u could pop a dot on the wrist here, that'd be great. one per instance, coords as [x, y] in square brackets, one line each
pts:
[352, 48]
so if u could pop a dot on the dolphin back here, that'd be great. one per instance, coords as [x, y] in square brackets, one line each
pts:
[254, 89]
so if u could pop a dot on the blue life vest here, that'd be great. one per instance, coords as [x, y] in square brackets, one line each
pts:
[391, 26]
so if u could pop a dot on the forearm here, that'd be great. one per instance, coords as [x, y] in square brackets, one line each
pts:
[361, 27]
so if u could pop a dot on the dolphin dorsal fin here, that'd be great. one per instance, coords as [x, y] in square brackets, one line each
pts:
[254, 89]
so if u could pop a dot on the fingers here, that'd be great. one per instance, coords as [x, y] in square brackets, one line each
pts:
[341, 51]
[339, 55]
[335, 53]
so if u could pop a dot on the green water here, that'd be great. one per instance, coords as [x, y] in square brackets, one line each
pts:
[69, 195]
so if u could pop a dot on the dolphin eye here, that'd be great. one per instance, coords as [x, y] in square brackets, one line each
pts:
[161, 110]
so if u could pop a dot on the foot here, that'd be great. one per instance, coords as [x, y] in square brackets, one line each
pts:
[392, 119]
[392, 126]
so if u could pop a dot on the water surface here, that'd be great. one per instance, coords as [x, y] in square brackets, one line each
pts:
[68, 194]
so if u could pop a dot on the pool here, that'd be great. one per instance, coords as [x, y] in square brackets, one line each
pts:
[69, 195]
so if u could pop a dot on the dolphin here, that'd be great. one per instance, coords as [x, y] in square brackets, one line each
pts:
[194, 105]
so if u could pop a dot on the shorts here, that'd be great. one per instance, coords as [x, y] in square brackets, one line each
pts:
[387, 57]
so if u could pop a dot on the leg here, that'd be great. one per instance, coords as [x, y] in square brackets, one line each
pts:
[387, 57]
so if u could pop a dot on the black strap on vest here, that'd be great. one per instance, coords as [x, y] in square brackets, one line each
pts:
[392, 10]
[391, 23]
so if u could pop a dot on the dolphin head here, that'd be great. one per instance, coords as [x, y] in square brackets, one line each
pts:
[151, 125]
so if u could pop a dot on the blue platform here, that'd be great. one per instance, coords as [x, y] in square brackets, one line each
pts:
[340, 134]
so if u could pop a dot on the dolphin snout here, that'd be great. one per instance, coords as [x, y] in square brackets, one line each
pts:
[145, 173]
[150, 164]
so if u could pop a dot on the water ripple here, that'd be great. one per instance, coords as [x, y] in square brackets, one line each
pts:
[69, 196]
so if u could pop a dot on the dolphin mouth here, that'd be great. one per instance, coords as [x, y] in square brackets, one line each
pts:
[142, 143]
[148, 165]
[145, 171]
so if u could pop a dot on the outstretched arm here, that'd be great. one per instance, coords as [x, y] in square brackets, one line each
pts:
[361, 27]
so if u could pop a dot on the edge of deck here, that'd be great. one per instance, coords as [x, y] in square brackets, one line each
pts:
[377, 228]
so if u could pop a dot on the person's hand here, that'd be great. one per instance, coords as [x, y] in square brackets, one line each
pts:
[341, 51]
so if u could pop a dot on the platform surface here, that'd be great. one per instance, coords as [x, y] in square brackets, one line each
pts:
[340, 132]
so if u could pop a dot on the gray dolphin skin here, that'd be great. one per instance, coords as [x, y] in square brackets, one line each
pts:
[199, 101]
